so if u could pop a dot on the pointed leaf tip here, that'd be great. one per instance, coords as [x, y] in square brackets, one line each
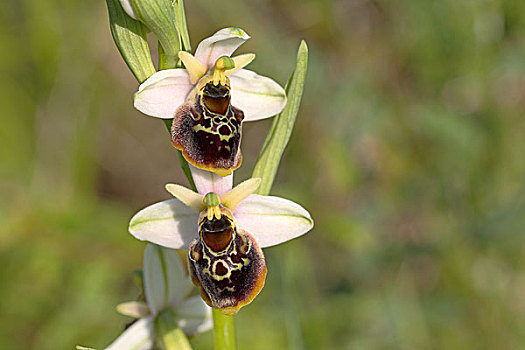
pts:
[281, 130]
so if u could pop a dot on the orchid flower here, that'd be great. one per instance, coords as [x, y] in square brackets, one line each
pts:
[166, 288]
[209, 100]
[224, 229]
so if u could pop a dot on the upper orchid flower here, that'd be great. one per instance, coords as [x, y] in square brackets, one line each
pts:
[224, 229]
[209, 100]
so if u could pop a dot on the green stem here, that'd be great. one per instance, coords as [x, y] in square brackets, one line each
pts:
[223, 331]
[169, 336]
[165, 61]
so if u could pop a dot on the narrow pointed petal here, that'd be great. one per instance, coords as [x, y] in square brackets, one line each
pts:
[162, 93]
[232, 198]
[139, 336]
[135, 309]
[169, 223]
[186, 196]
[222, 43]
[257, 96]
[154, 281]
[178, 282]
[207, 182]
[272, 220]
[194, 316]
[126, 5]
[195, 69]
[241, 61]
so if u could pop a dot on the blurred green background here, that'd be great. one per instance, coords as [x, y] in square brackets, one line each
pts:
[409, 151]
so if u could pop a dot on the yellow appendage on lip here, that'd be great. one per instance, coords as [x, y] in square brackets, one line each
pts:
[212, 202]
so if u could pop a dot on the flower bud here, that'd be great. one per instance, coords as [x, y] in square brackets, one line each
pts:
[130, 37]
[160, 16]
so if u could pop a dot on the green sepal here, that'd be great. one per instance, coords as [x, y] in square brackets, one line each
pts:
[282, 126]
[160, 17]
[130, 37]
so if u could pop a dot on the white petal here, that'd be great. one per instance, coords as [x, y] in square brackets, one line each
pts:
[154, 279]
[194, 316]
[222, 43]
[135, 309]
[169, 223]
[272, 220]
[257, 96]
[162, 93]
[179, 284]
[139, 336]
[126, 5]
[207, 182]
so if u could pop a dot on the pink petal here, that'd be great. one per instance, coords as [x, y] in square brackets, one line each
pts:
[272, 220]
[162, 93]
[257, 96]
[222, 43]
[206, 181]
[169, 223]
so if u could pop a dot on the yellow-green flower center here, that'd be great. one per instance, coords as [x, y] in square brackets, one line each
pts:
[223, 64]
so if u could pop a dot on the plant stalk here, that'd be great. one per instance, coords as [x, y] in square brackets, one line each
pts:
[169, 336]
[223, 331]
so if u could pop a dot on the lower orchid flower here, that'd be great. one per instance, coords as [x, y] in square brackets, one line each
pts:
[224, 230]
[167, 288]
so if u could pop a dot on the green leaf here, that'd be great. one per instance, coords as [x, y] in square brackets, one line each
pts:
[281, 129]
[159, 17]
[182, 26]
[130, 37]
[165, 61]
